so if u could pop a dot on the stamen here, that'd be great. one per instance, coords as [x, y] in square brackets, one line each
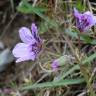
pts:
[36, 48]
[83, 23]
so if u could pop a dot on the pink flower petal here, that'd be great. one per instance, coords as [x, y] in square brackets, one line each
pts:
[35, 32]
[26, 35]
[34, 29]
[77, 14]
[90, 17]
[55, 65]
[23, 52]
[32, 56]
[21, 49]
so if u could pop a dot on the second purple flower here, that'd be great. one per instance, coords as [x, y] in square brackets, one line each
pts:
[84, 21]
[31, 46]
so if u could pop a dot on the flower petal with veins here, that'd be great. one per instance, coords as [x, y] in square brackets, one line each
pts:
[26, 35]
[30, 48]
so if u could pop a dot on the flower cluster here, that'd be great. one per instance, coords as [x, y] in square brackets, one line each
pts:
[31, 46]
[84, 21]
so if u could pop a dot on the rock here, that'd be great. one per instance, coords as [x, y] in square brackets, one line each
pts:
[6, 58]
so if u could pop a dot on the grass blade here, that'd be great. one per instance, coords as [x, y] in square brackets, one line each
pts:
[54, 84]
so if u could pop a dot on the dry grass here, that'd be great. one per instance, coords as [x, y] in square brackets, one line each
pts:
[56, 43]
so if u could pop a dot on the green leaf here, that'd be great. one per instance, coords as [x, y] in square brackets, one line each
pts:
[70, 71]
[86, 38]
[89, 59]
[80, 6]
[25, 7]
[54, 84]
[93, 41]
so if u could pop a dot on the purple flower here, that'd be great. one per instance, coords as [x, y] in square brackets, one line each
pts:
[84, 21]
[55, 65]
[31, 46]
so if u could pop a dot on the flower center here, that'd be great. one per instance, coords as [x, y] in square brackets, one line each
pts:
[36, 47]
[83, 23]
